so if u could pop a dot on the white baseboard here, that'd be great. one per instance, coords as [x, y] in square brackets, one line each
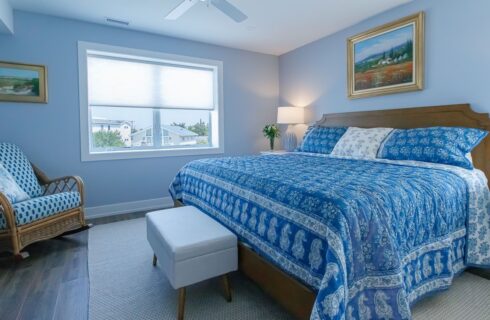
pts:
[128, 207]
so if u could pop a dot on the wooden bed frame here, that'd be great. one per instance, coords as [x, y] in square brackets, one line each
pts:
[292, 294]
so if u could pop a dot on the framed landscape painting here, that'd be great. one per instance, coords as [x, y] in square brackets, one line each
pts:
[23, 82]
[388, 59]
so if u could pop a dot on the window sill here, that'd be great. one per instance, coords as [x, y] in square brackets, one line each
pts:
[122, 155]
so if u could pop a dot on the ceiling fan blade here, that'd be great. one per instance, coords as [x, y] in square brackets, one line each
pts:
[180, 9]
[229, 9]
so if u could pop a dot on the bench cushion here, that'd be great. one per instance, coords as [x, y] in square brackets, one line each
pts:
[187, 232]
[190, 245]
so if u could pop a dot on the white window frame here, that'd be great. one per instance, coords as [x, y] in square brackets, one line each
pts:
[86, 155]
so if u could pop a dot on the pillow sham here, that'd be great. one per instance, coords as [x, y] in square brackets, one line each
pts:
[321, 139]
[446, 145]
[10, 188]
[361, 142]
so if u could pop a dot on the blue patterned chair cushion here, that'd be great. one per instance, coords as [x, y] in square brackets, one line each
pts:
[446, 145]
[14, 160]
[321, 139]
[42, 207]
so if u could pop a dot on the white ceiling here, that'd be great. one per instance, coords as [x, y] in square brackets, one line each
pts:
[273, 26]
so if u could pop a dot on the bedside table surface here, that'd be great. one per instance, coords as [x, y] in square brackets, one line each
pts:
[274, 152]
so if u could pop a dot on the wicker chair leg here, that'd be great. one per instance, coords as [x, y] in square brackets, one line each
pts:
[18, 255]
[82, 217]
[15, 244]
[21, 256]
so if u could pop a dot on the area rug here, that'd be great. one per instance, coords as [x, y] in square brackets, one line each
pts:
[125, 285]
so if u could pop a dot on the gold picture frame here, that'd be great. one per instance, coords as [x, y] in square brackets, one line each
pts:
[20, 82]
[387, 59]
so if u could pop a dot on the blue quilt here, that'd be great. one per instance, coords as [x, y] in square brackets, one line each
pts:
[370, 236]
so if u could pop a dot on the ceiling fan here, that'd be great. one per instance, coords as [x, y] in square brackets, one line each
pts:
[222, 5]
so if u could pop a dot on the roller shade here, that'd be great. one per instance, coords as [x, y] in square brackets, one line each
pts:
[123, 82]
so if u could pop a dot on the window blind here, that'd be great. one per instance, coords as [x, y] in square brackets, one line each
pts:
[121, 82]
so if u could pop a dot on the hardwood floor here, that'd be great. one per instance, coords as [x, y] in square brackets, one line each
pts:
[119, 217]
[53, 282]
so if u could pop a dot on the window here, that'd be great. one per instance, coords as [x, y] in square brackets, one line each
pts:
[136, 103]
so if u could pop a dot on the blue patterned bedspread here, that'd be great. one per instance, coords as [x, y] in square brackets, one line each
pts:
[370, 236]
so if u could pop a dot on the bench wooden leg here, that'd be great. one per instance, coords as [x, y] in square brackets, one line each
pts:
[154, 260]
[180, 315]
[226, 286]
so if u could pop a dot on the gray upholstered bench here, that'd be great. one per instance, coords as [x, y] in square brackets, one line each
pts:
[191, 247]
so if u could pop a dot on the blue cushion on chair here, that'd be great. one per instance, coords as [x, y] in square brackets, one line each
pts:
[42, 207]
[20, 168]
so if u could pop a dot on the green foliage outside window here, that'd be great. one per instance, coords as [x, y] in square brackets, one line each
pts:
[105, 139]
[199, 128]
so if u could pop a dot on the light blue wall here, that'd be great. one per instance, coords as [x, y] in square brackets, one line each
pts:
[50, 134]
[457, 70]
[457, 48]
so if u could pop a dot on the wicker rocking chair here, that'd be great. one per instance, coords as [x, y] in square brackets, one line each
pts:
[55, 206]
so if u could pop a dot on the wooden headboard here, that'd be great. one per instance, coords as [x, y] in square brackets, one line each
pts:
[457, 115]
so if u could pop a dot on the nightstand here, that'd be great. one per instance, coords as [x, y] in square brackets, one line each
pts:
[273, 152]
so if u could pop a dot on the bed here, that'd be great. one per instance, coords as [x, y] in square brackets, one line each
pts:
[335, 238]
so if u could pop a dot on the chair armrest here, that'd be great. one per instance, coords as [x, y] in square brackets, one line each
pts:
[65, 184]
[8, 211]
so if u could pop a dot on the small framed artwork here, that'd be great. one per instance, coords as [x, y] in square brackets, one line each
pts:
[21, 82]
[387, 59]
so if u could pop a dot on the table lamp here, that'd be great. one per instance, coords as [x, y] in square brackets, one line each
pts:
[290, 116]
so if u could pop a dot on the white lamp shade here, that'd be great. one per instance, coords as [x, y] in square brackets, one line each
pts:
[290, 115]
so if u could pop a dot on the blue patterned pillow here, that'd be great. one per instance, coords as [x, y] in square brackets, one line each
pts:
[446, 145]
[10, 188]
[321, 139]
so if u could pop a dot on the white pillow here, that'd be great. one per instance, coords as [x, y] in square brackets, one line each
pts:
[10, 188]
[360, 142]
